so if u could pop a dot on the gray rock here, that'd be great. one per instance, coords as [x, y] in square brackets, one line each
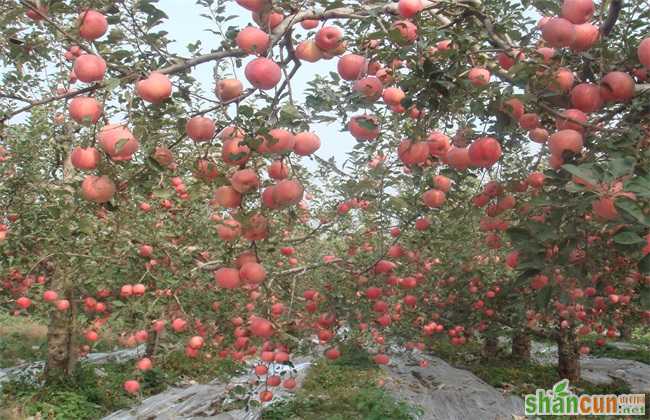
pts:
[601, 370]
[635, 374]
[447, 393]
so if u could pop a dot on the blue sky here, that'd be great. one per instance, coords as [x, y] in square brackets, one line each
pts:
[186, 26]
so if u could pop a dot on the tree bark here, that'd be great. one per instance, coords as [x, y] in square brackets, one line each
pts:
[62, 347]
[626, 332]
[490, 346]
[152, 344]
[568, 365]
[520, 345]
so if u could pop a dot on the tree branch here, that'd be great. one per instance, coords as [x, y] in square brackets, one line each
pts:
[614, 11]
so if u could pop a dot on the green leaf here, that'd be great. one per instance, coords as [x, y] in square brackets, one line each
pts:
[622, 166]
[585, 172]
[628, 237]
[644, 265]
[518, 234]
[633, 209]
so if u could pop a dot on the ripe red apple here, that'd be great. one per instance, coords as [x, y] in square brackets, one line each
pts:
[85, 110]
[578, 11]
[226, 196]
[234, 148]
[227, 278]
[98, 189]
[253, 40]
[179, 325]
[263, 73]
[261, 327]
[278, 170]
[617, 86]
[538, 135]
[370, 88]
[50, 296]
[144, 364]
[604, 208]
[328, 38]
[643, 51]
[484, 152]
[252, 272]
[253, 5]
[565, 140]
[229, 230]
[155, 89]
[438, 144]
[308, 51]
[352, 66]
[479, 76]
[407, 30]
[277, 140]
[244, 180]
[458, 158]
[145, 251]
[306, 143]
[559, 32]
[118, 142]
[409, 8]
[364, 127]
[287, 193]
[266, 396]
[85, 158]
[413, 153]
[132, 386]
[381, 359]
[562, 80]
[62, 305]
[309, 24]
[89, 68]
[442, 183]
[566, 124]
[92, 25]
[433, 198]
[514, 107]
[586, 36]
[529, 121]
[586, 97]
[229, 89]
[393, 96]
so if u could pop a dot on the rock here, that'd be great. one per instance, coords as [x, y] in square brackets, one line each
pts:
[601, 370]
[635, 374]
[447, 393]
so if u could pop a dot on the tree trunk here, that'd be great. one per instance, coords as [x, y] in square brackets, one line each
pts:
[62, 348]
[520, 345]
[152, 344]
[490, 346]
[568, 365]
[626, 332]
[62, 345]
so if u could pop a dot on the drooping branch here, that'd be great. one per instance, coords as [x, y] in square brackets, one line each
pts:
[278, 33]
[612, 16]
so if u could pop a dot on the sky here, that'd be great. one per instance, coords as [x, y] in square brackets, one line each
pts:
[186, 26]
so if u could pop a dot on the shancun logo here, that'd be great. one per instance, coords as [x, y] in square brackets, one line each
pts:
[560, 401]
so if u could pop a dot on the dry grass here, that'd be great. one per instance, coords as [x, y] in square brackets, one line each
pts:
[21, 340]
[26, 327]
